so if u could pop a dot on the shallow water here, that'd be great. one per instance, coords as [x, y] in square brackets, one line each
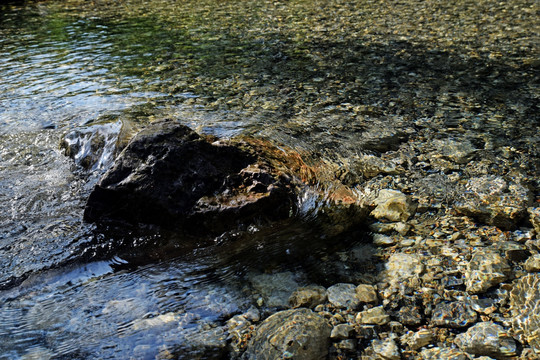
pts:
[332, 78]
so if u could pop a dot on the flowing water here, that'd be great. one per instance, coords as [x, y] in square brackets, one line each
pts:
[332, 78]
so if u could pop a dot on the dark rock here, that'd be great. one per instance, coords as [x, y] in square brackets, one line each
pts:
[169, 175]
[487, 338]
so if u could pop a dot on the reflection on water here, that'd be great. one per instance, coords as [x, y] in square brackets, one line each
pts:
[336, 78]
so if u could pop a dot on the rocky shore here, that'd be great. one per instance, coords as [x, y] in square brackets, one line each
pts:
[454, 254]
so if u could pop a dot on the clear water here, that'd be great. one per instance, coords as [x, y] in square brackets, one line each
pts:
[329, 77]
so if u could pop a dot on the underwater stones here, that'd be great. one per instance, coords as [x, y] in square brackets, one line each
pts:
[453, 315]
[309, 296]
[393, 205]
[438, 353]
[417, 340]
[458, 151]
[487, 338]
[343, 296]
[298, 334]
[486, 268]
[495, 201]
[341, 332]
[401, 267]
[533, 263]
[525, 308]
[274, 289]
[370, 166]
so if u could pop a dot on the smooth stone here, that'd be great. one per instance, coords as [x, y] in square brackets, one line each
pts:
[495, 201]
[385, 228]
[487, 338]
[343, 296]
[383, 240]
[393, 205]
[309, 296]
[453, 315]
[298, 334]
[366, 293]
[386, 349]
[486, 268]
[373, 316]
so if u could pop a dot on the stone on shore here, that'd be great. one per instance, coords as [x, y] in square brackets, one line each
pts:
[298, 334]
[495, 201]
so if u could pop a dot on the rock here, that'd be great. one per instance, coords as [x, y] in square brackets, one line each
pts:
[347, 345]
[383, 240]
[386, 349]
[385, 228]
[454, 315]
[534, 217]
[169, 175]
[400, 269]
[341, 331]
[438, 353]
[417, 340]
[309, 296]
[370, 166]
[487, 338]
[525, 308]
[393, 205]
[373, 316]
[343, 296]
[485, 269]
[366, 293]
[533, 263]
[298, 334]
[275, 289]
[459, 152]
[495, 201]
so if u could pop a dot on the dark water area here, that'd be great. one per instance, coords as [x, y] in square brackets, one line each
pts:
[334, 79]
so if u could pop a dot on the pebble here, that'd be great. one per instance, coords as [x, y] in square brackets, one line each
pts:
[417, 340]
[366, 293]
[534, 217]
[438, 353]
[373, 316]
[341, 331]
[386, 349]
[393, 205]
[309, 296]
[533, 263]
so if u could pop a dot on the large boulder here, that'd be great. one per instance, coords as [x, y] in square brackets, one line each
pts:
[169, 175]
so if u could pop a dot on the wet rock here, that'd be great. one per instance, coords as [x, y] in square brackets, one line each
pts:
[487, 338]
[438, 353]
[366, 293]
[525, 308]
[373, 316]
[383, 240]
[309, 296]
[495, 201]
[533, 263]
[400, 269]
[417, 340]
[386, 349]
[274, 289]
[370, 166]
[486, 268]
[534, 217]
[347, 345]
[341, 331]
[453, 315]
[206, 344]
[169, 175]
[343, 296]
[385, 228]
[295, 334]
[393, 205]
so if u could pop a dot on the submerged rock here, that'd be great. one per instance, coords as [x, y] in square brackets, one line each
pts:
[393, 205]
[487, 338]
[525, 307]
[495, 201]
[487, 268]
[343, 296]
[453, 315]
[298, 334]
[309, 296]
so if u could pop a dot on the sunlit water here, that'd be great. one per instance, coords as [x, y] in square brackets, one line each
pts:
[300, 73]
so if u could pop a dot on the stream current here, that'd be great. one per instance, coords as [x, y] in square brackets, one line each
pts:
[333, 78]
